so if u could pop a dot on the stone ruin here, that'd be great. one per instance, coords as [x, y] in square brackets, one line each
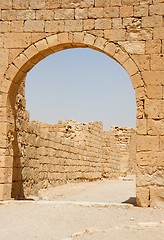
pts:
[47, 155]
[129, 31]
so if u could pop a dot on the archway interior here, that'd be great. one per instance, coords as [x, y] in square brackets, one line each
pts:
[84, 85]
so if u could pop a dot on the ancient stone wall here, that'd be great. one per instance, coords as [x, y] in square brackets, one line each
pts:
[129, 31]
[122, 144]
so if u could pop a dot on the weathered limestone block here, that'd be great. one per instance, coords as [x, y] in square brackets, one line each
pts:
[142, 198]
[154, 109]
[37, 4]
[115, 34]
[103, 23]
[157, 196]
[25, 14]
[141, 10]
[64, 14]
[157, 62]
[134, 47]
[158, 33]
[73, 25]
[17, 40]
[54, 26]
[81, 13]
[111, 12]
[153, 46]
[19, 4]
[153, 77]
[154, 92]
[157, 9]
[102, 3]
[34, 26]
[126, 11]
[147, 143]
[52, 4]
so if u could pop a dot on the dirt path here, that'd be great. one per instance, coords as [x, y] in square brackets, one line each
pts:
[82, 211]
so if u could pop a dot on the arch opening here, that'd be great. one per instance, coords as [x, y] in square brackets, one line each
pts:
[18, 178]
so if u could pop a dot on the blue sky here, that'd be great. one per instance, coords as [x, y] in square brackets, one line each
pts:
[81, 84]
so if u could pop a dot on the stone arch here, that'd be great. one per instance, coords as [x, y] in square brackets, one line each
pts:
[27, 59]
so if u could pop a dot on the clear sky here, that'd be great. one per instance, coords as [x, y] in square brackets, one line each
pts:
[81, 84]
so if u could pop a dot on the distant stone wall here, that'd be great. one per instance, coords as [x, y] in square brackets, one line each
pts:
[52, 154]
[122, 144]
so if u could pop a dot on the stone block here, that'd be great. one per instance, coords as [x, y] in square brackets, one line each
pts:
[141, 127]
[5, 191]
[25, 14]
[153, 77]
[64, 14]
[115, 34]
[54, 26]
[19, 4]
[88, 24]
[96, 13]
[53, 4]
[17, 26]
[155, 127]
[5, 4]
[134, 47]
[147, 143]
[77, 3]
[111, 12]
[157, 196]
[17, 40]
[153, 109]
[157, 9]
[142, 197]
[100, 43]
[81, 13]
[9, 15]
[73, 25]
[102, 3]
[110, 49]
[103, 23]
[117, 23]
[140, 34]
[37, 4]
[131, 67]
[141, 10]
[6, 175]
[140, 93]
[115, 2]
[34, 26]
[158, 33]
[126, 11]
[157, 62]
[121, 56]
[154, 92]
[153, 46]
[142, 61]
[44, 15]
[155, 21]
[78, 37]
[137, 81]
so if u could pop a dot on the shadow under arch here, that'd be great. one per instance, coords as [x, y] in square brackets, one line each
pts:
[28, 58]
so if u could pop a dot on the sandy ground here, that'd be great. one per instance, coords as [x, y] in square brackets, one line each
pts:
[82, 211]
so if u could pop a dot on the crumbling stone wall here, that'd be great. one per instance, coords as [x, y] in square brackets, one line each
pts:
[129, 31]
